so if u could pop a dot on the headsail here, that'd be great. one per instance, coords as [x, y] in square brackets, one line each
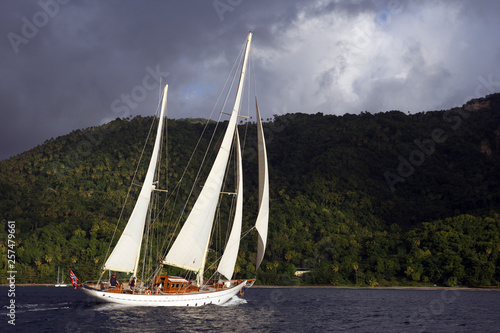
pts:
[263, 216]
[125, 255]
[191, 245]
[228, 260]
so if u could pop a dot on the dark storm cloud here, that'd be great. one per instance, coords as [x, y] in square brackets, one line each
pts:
[69, 64]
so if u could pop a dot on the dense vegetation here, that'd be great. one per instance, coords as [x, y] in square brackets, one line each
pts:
[369, 199]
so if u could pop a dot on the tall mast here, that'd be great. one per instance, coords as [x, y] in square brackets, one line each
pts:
[190, 249]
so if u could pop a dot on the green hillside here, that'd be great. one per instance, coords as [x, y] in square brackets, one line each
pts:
[383, 199]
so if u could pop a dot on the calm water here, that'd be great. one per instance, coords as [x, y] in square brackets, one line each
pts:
[49, 309]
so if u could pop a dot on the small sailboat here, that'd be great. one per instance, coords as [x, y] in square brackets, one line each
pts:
[189, 251]
[59, 283]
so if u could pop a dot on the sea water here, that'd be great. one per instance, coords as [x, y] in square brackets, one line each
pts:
[50, 309]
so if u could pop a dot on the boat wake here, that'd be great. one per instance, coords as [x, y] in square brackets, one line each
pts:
[109, 306]
[37, 307]
[235, 300]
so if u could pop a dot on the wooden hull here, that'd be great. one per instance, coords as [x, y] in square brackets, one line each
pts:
[201, 298]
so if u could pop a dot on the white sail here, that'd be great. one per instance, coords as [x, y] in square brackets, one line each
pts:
[263, 216]
[125, 255]
[191, 245]
[228, 260]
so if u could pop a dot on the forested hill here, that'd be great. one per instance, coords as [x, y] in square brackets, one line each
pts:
[388, 198]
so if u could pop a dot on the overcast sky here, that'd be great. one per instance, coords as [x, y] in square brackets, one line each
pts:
[67, 64]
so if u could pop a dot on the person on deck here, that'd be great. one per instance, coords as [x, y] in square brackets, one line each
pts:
[132, 284]
[113, 283]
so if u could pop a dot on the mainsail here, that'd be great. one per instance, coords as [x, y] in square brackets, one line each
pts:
[191, 245]
[125, 256]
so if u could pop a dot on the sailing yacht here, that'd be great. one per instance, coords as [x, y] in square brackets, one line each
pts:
[61, 283]
[190, 248]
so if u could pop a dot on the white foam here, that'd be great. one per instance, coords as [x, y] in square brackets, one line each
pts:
[235, 300]
[110, 306]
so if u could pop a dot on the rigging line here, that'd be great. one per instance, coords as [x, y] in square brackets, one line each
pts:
[154, 236]
[254, 77]
[243, 145]
[235, 173]
[243, 235]
[217, 229]
[163, 148]
[213, 274]
[150, 236]
[146, 241]
[252, 65]
[237, 61]
[160, 232]
[155, 224]
[166, 150]
[213, 231]
[196, 148]
[232, 210]
[132, 182]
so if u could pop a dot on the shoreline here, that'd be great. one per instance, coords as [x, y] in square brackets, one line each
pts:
[492, 288]
[489, 288]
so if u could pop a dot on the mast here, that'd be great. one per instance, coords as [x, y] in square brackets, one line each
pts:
[190, 249]
[125, 256]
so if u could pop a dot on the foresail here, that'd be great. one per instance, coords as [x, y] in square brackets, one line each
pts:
[126, 253]
[263, 217]
[228, 260]
[191, 245]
